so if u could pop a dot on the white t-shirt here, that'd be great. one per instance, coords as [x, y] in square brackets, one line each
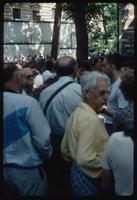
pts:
[38, 81]
[47, 74]
[118, 157]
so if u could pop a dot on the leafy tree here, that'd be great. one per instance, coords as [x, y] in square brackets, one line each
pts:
[89, 33]
[81, 14]
[105, 37]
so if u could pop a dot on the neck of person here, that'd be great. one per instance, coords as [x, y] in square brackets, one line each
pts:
[91, 105]
[68, 75]
[11, 87]
[116, 75]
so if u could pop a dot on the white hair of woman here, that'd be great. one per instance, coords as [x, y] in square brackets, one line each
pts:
[89, 81]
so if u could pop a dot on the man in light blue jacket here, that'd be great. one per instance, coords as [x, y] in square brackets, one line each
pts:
[26, 139]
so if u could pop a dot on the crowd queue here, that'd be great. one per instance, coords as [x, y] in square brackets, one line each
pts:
[68, 127]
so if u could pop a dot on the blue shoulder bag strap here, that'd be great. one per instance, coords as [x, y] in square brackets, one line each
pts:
[54, 94]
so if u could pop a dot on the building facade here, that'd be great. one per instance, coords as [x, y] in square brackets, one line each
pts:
[28, 30]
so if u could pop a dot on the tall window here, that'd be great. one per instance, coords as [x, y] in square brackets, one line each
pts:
[36, 15]
[16, 13]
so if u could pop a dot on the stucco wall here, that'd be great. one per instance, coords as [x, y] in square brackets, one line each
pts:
[23, 38]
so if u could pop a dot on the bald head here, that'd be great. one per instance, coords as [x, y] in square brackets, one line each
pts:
[66, 65]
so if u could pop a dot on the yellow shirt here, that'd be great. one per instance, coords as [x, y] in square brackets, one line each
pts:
[84, 140]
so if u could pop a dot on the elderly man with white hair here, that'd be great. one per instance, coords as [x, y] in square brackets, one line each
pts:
[85, 136]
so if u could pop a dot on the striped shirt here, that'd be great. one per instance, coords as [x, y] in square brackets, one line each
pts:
[62, 104]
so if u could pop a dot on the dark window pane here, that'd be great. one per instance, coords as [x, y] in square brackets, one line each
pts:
[36, 15]
[16, 13]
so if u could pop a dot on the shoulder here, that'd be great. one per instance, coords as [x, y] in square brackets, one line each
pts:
[84, 113]
[72, 90]
[113, 141]
[26, 99]
[116, 136]
[75, 83]
[19, 101]
[17, 96]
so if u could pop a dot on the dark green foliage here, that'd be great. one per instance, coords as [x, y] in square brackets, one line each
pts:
[90, 10]
[107, 37]
[103, 38]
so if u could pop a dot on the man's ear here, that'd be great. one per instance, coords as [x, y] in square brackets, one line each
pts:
[18, 78]
[87, 93]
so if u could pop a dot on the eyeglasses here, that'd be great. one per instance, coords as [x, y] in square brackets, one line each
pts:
[29, 76]
[101, 93]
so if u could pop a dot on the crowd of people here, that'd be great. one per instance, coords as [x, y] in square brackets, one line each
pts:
[68, 127]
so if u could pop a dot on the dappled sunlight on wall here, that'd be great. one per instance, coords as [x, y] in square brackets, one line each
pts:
[27, 35]
[66, 30]
[24, 38]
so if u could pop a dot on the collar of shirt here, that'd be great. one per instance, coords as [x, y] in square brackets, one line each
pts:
[10, 90]
[87, 107]
[66, 78]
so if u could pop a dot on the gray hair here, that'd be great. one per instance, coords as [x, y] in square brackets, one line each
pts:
[89, 80]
